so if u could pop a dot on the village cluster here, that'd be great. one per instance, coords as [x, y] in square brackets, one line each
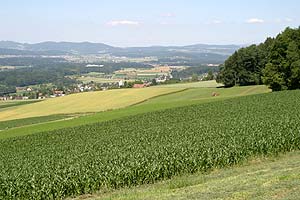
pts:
[50, 91]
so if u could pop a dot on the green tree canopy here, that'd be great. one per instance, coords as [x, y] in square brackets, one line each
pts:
[276, 63]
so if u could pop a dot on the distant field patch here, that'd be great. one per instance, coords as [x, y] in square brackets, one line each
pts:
[197, 94]
[88, 79]
[85, 102]
[200, 84]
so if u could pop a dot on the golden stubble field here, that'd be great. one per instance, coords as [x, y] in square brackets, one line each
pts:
[85, 102]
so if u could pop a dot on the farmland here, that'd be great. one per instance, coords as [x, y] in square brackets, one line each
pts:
[142, 73]
[149, 147]
[186, 96]
[127, 74]
[150, 100]
[97, 78]
[31, 120]
[201, 84]
[259, 178]
[8, 104]
[85, 103]
[200, 93]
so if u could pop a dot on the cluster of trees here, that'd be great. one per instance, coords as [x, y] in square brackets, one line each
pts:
[34, 76]
[4, 89]
[190, 71]
[276, 63]
[210, 76]
[130, 84]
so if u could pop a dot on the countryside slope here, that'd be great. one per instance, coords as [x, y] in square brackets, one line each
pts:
[149, 147]
[182, 97]
[260, 178]
[90, 102]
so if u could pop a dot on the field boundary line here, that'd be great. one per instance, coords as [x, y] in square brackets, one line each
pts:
[161, 95]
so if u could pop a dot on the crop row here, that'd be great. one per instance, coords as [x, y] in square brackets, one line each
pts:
[4, 125]
[148, 147]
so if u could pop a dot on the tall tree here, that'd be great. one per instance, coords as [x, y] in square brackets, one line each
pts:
[276, 63]
[283, 69]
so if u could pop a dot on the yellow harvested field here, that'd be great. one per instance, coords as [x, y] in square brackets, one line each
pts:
[85, 102]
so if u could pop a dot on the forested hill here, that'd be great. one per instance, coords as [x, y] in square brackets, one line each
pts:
[46, 48]
[276, 63]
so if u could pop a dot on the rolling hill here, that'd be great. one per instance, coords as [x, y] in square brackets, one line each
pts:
[149, 147]
[185, 94]
[220, 51]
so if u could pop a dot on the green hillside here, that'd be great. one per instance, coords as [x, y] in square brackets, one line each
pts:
[149, 147]
[183, 97]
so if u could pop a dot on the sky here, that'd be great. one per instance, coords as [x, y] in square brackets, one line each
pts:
[146, 22]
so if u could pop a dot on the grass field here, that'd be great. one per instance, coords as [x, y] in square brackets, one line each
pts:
[85, 102]
[7, 104]
[260, 178]
[149, 147]
[5, 125]
[177, 99]
[195, 94]
[200, 84]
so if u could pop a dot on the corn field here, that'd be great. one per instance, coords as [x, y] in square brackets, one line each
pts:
[149, 147]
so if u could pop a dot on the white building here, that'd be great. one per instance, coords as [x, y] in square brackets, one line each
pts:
[121, 83]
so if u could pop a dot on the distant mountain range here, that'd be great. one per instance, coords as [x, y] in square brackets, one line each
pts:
[59, 48]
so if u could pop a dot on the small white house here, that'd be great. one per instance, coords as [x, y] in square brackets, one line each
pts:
[121, 83]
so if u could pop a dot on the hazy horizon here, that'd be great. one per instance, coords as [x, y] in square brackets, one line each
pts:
[136, 23]
[166, 45]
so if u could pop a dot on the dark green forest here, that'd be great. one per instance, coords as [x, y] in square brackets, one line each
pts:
[276, 63]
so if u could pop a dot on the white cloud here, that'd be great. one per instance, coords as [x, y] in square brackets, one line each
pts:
[255, 21]
[288, 20]
[122, 22]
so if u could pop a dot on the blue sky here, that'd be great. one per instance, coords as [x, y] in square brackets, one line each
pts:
[145, 23]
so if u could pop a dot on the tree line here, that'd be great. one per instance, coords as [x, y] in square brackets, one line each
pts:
[275, 63]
